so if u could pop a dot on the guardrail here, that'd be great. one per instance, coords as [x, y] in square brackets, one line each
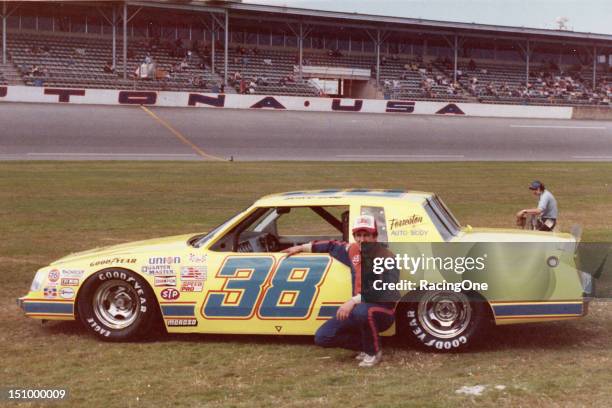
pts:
[274, 102]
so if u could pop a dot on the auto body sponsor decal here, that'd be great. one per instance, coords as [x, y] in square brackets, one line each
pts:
[158, 270]
[165, 281]
[170, 294]
[50, 292]
[396, 223]
[113, 261]
[53, 275]
[406, 226]
[71, 273]
[181, 322]
[66, 293]
[69, 282]
[193, 273]
[192, 286]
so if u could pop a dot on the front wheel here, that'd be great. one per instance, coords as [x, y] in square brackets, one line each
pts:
[442, 320]
[116, 305]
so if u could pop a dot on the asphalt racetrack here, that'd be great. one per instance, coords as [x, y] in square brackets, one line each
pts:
[82, 132]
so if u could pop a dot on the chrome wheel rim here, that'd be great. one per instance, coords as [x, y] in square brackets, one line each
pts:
[444, 314]
[116, 304]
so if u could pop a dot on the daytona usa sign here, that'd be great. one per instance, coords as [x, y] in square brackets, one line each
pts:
[276, 103]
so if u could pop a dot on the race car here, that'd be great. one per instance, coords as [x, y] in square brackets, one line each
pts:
[235, 279]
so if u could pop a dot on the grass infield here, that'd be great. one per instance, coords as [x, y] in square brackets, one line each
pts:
[49, 209]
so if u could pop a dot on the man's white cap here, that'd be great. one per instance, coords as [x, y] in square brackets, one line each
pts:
[365, 223]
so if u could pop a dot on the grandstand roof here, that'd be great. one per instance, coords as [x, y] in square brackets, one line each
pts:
[357, 20]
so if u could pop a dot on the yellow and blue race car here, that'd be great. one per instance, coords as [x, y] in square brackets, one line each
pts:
[235, 279]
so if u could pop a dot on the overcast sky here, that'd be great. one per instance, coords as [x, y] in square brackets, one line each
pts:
[593, 16]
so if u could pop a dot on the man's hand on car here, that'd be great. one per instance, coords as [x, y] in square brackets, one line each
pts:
[345, 310]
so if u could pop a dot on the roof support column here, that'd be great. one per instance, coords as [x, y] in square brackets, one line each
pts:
[226, 50]
[527, 52]
[455, 50]
[212, 46]
[114, 25]
[5, 15]
[377, 59]
[594, 67]
[4, 32]
[527, 64]
[301, 51]
[378, 40]
[125, 44]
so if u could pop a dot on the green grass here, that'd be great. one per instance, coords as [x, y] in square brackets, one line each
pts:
[49, 209]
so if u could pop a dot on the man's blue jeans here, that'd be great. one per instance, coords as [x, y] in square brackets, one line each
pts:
[359, 332]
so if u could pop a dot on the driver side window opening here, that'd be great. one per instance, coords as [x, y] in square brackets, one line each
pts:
[272, 229]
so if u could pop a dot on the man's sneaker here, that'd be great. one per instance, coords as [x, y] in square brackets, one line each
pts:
[371, 361]
[360, 356]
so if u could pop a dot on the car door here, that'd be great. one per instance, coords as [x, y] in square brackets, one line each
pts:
[267, 292]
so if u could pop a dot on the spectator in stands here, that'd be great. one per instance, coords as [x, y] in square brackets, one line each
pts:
[71, 61]
[148, 59]
[80, 51]
[184, 64]
[109, 68]
[472, 65]
[267, 61]
[255, 51]
[36, 71]
[252, 87]
[198, 81]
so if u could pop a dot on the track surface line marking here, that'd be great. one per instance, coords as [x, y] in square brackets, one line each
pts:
[114, 154]
[559, 127]
[413, 156]
[180, 137]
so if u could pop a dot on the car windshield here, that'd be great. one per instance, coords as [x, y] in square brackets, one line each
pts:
[199, 240]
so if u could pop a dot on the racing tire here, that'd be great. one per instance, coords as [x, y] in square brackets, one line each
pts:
[442, 321]
[117, 305]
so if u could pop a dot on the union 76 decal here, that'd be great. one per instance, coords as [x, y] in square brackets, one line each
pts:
[253, 286]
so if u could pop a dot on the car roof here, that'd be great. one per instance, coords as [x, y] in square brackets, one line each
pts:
[341, 197]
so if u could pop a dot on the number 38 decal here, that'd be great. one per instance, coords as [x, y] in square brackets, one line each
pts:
[289, 294]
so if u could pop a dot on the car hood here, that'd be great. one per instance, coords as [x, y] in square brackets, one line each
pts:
[165, 245]
[470, 234]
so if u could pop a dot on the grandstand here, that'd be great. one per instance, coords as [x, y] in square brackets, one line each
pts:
[185, 46]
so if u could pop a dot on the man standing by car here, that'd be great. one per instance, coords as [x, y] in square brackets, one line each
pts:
[356, 324]
[546, 210]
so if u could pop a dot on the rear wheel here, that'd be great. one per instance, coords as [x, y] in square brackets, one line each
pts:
[117, 305]
[442, 320]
